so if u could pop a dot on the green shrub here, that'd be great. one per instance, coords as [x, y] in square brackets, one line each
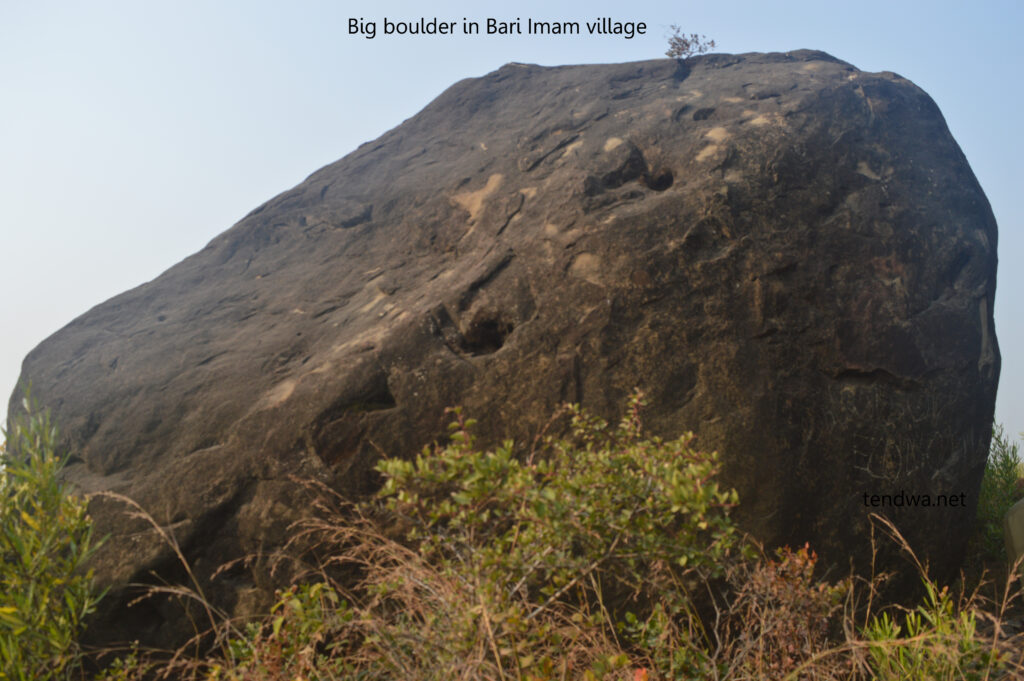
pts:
[605, 528]
[298, 640]
[935, 641]
[1000, 489]
[45, 539]
[577, 560]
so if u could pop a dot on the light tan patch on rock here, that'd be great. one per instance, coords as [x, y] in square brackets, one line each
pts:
[732, 100]
[571, 148]
[707, 152]
[551, 229]
[549, 252]
[986, 359]
[812, 66]
[718, 134]
[483, 146]
[877, 105]
[587, 266]
[278, 394]
[473, 202]
[696, 93]
[864, 169]
[733, 176]
[759, 121]
[377, 294]
[612, 143]
[528, 192]
[364, 341]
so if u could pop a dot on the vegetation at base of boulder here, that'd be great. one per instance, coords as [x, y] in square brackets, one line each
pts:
[683, 46]
[605, 529]
[604, 554]
[779, 616]
[1001, 487]
[45, 541]
[934, 641]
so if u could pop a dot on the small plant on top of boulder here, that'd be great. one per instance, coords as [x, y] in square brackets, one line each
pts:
[682, 46]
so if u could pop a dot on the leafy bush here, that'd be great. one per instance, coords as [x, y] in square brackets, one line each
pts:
[643, 511]
[605, 528]
[576, 560]
[1000, 489]
[935, 641]
[45, 539]
[298, 640]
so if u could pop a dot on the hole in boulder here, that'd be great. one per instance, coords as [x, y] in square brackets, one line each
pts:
[485, 336]
[373, 395]
[659, 182]
[377, 399]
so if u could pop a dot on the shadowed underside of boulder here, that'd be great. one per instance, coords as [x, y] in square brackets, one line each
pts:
[790, 256]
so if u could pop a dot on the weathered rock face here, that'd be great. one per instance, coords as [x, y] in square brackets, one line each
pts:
[790, 256]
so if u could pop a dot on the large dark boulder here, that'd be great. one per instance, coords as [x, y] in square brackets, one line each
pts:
[791, 256]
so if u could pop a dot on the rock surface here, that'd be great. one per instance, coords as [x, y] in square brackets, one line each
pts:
[791, 256]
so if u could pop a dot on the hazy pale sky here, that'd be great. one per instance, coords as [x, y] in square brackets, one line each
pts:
[132, 133]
